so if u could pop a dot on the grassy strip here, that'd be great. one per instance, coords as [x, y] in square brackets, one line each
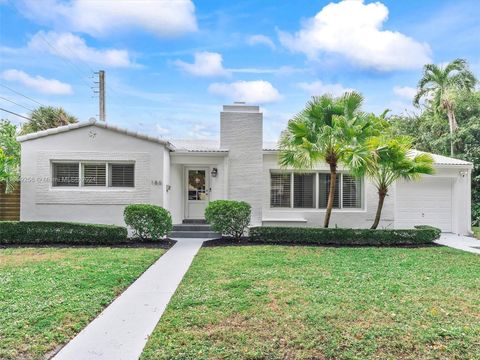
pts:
[476, 232]
[48, 295]
[276, 302]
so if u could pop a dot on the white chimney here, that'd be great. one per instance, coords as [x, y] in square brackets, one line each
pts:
[241, 132]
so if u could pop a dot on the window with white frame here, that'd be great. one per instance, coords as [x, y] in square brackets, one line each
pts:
[299, 190]
[92, 174]
[280, 190]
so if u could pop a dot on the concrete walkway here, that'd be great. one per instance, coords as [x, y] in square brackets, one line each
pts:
[460, 242]
[122, 329]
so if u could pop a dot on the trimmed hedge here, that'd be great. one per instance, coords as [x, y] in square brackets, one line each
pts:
[228, 217]
[337, 236]
[148, 222]
[50, 232]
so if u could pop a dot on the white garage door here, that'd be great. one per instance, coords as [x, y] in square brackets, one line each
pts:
[424, 202]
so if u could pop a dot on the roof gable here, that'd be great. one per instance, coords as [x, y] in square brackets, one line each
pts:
[93, 122]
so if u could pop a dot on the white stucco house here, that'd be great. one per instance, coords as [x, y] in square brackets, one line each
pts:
[89, 171]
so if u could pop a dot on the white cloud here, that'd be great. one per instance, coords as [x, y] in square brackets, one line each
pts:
[354, 29]
[70, 46]
[258, 91]
[320, 88]
[199, 131]
[261, 40]
[161, 130]
[205, 64]
[39, 83]
[164, 18]
[406, 92]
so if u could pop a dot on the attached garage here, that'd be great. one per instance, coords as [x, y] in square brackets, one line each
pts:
[442, 200]
[426, 202]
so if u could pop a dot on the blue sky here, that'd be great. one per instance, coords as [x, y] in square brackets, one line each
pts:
[170, 65]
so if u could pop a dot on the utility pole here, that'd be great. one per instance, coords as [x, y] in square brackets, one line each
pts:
[101, 98]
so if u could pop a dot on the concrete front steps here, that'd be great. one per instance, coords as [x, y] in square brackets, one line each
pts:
[193, 229]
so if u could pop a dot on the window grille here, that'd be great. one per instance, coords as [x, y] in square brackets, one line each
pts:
[324, 189]
[304, 191]
[94, 175]
[351, 192]
[280, 190]
[122, 175]
[65, 174]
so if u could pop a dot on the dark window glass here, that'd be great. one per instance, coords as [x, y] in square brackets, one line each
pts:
[65, 174]
[324, 188]
[122, 175]
[304, 190]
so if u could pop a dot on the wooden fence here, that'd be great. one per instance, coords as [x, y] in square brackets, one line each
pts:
[9, 203]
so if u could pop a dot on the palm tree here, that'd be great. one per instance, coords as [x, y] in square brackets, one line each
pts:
[47, 117]
[393, 159]
[440, 84]
[331, 130]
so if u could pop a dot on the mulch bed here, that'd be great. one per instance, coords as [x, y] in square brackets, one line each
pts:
[134, 243]
[247, 242]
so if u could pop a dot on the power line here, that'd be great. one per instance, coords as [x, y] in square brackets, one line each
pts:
[13, 102]
[14, 113]
[25, 96]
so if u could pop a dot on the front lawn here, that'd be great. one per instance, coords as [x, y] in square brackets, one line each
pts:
[274, 302]
[476, 232]
[47, 295]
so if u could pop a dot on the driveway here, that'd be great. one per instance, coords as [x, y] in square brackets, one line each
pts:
[460, 242]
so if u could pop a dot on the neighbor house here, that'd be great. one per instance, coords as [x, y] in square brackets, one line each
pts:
[89, 172]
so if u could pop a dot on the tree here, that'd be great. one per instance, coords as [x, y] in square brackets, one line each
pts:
[9, 155]
[440, 85]
[394, 159]
[432, 135]
[47, 117]
[331, 130]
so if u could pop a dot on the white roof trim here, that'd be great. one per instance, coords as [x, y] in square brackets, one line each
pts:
[439, 160]
[93, 122]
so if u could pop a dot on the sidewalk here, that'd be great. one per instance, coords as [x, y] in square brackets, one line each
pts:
[122, 329]
[460, 242]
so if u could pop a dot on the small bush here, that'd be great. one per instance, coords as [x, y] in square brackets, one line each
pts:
[46, 232]
[150, 222]
[228, 217]
[378, 237]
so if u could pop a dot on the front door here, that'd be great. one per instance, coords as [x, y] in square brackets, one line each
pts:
[197, 192]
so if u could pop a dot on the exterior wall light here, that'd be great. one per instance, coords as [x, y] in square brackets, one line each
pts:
[214, 172]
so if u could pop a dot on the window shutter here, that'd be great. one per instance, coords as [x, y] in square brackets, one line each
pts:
[65, 174]
[304, 190]
[122, 175]
[352, 192]
[324, 188]
[280, 190]
[94, 175]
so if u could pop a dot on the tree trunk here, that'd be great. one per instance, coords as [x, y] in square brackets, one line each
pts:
[452, 122]
[331, 193]
[381, 198]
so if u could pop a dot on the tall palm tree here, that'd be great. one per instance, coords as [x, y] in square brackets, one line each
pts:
[331, 130]
[440, 84]
[393, 159]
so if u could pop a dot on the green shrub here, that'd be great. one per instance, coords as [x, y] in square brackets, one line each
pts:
[147, 221]
[45, 232]
[228, 217]
[335, 236]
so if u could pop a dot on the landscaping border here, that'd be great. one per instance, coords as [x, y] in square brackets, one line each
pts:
[338, 236]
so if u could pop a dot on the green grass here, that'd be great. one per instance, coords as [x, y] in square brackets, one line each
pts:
[273, 302]
[476, 232]
[48, 295]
